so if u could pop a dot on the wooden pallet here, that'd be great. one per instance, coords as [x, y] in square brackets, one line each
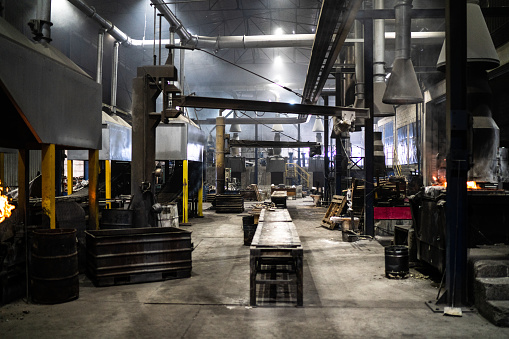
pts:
[335, 209]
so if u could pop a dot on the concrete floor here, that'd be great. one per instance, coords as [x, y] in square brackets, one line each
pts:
[346, 294]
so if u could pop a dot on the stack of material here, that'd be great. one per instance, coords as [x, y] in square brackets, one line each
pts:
[229, 203]
[211, 197]
[335, 210]
[391, 192]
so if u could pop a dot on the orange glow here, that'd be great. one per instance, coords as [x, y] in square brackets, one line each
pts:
[5, 207]
[472, 185]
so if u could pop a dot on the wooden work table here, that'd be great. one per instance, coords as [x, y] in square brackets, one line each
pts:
[276, 248]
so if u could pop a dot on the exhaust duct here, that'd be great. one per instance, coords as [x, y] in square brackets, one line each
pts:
[403, 87]
[379, 109]
[480, 48]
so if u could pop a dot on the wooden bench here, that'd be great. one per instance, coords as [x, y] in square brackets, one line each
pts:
[276, 248]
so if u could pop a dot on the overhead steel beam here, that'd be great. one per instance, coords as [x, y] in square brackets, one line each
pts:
[253, 121]
[270, 143]
[336, 19]
[265, 106]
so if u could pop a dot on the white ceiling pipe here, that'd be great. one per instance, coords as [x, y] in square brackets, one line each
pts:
[289, 40]
[107, 25]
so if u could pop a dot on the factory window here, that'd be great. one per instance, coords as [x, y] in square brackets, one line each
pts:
[403, 145]
[388, 140]
[412, 144]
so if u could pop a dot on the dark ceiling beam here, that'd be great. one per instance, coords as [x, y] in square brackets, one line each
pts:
[269, 143]
[265, 106]
[336, 20]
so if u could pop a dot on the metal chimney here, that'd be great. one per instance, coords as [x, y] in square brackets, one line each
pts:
[403, 87]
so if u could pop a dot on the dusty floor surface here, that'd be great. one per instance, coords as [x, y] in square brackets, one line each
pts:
[346, 295]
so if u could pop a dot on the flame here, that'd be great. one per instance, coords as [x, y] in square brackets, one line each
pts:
[472, 185]
[5, 207]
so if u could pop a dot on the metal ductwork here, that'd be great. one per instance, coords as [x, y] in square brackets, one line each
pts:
[114, 78]
[107, 25]
[403, 87]
[41, 27]
[318, 126]
[480, 48]
[359, 67]
[379, 109]
[181, 31]
[481, 56]
[235, 128]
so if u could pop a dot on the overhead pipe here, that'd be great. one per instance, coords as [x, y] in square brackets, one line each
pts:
[90, 11]
[100, 55]
[403, 87]
[41, 27]
[359, 67]
[275, 41]
[380, 109]
[222, 42]
[114, 78]
[182, 32]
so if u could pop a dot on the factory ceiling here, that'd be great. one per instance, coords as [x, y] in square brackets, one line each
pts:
[75, 35]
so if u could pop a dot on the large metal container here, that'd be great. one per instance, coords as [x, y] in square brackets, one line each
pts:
[124, 256]
[54, 266]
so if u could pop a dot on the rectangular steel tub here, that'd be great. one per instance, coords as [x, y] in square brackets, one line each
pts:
[123, 256]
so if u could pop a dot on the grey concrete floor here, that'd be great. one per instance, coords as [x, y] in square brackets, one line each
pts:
[346, 295]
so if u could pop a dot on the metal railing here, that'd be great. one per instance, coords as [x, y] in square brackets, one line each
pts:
[293, 170]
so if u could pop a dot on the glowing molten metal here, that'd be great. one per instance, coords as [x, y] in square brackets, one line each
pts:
[5, 207]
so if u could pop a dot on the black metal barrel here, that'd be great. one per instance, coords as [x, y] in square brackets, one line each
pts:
[249, 227]
[396, 261]
[54, 266]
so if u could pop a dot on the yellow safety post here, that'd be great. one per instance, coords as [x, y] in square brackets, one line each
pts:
[48, 184]
[185, 193]
[200, 199]
[93, 178]
[70, 178]
[22, 156]
[107, 176]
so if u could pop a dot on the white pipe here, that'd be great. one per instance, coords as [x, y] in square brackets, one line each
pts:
[379, 46]
[100, 54]
[114, 77]
[44, 17]
[107, 25]
[289, 40]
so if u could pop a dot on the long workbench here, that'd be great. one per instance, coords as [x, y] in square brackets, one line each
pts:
[276, 248]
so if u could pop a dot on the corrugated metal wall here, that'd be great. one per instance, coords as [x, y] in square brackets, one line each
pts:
[11, 167]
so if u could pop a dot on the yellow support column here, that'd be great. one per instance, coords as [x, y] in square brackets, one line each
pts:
[107, 178]
[70, 176]
[185, 193]
[48, 185]
[93, 199]
[200, 199]
[21, 182]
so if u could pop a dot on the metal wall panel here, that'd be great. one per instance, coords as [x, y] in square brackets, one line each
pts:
[11, 167]
[171, 141]
[61, 104]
